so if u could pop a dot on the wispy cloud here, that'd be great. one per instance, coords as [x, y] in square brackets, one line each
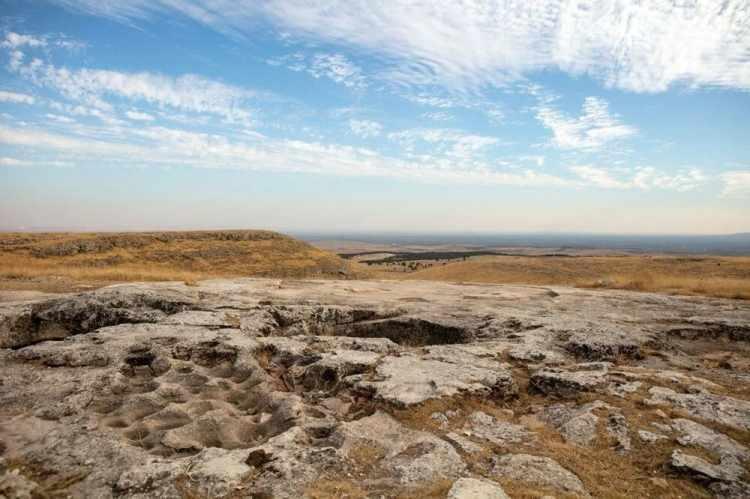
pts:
[453, 144]
[16, 98]
[15, 40]
[15, 162]
[336, 67]
[593, 129]
[189, 93]
[60, 119]
[4, 161]
[643, 178]
[642, 47]
[365, 128]
[437, 116]
[139, 116]
[175, 147]
[736, 183]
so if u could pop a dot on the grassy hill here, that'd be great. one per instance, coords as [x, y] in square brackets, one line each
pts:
[727, 277]
[58, 261]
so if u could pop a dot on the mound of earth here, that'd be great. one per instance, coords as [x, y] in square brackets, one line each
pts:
[321, 388]
[59, 261]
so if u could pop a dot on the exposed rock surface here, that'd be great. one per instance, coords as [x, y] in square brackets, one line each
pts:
[540, 471]
[474, 488]
[268, 388]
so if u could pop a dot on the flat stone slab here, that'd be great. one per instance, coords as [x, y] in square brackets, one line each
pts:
[408, 379]
[476, 488]
[721, 409]
[538, 470]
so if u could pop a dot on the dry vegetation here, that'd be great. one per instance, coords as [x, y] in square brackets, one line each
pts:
[725, 277]
[65, 261]
[62, 261]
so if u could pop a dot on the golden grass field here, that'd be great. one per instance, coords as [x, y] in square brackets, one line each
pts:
[65, 261]
[718, 276]
[69, 261]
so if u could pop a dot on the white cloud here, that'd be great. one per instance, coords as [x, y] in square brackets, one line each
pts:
[6, 161]
[433, 100]
[190, 93]
[365, 128]
[736, 183]
[139, 116]
[437, 116]
[496, 116]
[594, 128]
[16, 40]
[454, 144]
[11, 162]
[536, 159]
[336, 67]
[166, 146]
[60, 119]
[637, 46]
[643, 178]
[599, 177]
[16, 98]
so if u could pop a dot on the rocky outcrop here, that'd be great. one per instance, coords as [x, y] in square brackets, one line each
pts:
[267, 388]
[566, 383]
[718, 408]
[409, 379]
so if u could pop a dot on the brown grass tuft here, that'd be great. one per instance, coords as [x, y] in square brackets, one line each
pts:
[722, 277]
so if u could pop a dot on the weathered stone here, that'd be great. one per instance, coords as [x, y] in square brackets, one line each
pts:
[701, 470]
[256, 387]
[617, 427]
[604, 344]
[476, 488]
[538, 470]
[576, 424]
[721, 409]
[486, 427]
[59, 318]
[650, 437]
[561, 383]
[409, 456]
[407, 380]
[692, 433]
[463, 443]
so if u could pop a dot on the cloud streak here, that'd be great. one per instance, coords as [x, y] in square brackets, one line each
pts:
[635, 46]
[736, 183]
[593, 129]
[16, 98]
[642, 178]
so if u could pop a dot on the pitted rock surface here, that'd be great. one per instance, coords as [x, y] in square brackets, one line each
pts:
[272, 388]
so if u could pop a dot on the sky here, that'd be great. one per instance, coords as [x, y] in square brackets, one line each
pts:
[609, 116]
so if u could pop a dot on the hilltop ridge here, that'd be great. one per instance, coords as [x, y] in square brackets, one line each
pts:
[58, 261]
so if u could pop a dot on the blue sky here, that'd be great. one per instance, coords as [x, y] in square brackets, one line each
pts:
[473, 115]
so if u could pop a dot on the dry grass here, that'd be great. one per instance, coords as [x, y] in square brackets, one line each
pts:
[53, 262]
[724, 277]
[65, 261]
[604, 472]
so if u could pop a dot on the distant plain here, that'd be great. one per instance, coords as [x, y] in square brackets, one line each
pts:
[63, 262]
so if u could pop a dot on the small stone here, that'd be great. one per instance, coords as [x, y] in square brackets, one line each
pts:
[650, 437]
